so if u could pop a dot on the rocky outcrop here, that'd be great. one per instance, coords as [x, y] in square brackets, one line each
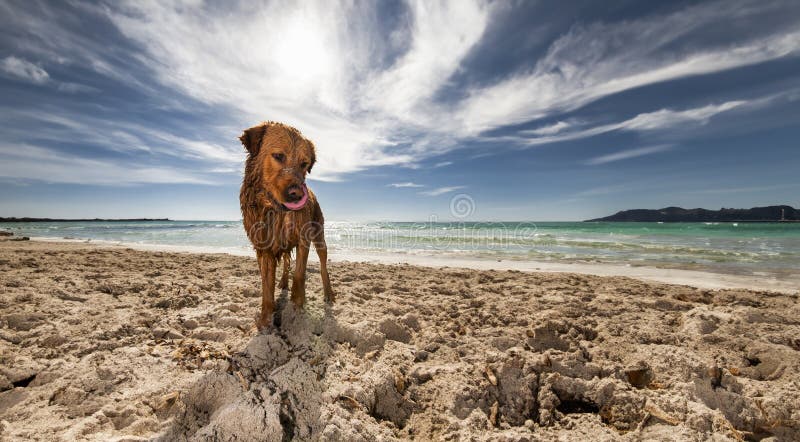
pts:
[678, 214]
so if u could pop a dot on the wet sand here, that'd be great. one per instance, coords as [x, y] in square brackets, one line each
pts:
[108, 343]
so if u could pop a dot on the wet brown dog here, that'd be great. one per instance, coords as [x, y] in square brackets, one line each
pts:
[280, 211]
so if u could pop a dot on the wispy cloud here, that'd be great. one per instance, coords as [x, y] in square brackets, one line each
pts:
[433, 57]
[649, 121]
[550, 129]
[407, 184]
[314, 69]
[365, 114]
[627, 154]
[31, 163]
[595, 61]
[441, 190]
[666, 118]
[120, 136]
[442, 164]
[61, 36]
[24, 70]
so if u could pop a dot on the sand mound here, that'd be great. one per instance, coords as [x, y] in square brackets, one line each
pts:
[124, 345]
[600, 367]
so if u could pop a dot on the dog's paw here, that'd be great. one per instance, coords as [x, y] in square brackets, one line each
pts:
[298, 304]
[264, 324]
[298, 297]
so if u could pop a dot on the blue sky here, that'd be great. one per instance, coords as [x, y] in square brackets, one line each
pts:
[533, 110]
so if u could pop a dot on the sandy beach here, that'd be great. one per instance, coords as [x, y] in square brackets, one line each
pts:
[110, 343]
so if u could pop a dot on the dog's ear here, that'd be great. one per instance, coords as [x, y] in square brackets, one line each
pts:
[251, 138]
[313, 158]
[311, 163]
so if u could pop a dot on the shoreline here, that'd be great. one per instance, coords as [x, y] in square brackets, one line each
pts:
[702, 279]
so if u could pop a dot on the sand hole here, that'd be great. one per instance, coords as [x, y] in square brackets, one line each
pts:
[639, 377]
[753, 361]
[758, 435]
[574, 406]
[24, 382]
[287, 416]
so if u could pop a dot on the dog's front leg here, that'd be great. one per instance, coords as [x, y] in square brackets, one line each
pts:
[299, 281]
[267, 263]
[322, 252]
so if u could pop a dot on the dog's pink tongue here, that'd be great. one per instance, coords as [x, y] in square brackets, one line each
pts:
[299, 204]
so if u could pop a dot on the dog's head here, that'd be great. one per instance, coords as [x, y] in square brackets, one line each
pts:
[283, 157]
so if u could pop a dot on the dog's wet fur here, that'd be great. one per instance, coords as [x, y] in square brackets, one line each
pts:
[279, 158]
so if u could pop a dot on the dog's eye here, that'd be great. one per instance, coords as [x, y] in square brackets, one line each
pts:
[278, 157]
[303, 165]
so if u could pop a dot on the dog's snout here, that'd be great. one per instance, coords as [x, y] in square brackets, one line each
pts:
[293, 193]
[297, 173]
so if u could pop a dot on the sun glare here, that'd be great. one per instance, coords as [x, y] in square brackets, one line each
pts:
[300, 52]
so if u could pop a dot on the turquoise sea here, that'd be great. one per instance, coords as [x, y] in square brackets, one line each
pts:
[729, 247]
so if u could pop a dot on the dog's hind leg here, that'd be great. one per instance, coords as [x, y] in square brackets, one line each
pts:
[267, 264]
[284, 284]
[322, 252]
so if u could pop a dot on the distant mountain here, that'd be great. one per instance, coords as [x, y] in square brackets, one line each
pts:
[55, 220]
[678, 214]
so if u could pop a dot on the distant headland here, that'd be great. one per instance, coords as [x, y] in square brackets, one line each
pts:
[678, 214]
[56, 220]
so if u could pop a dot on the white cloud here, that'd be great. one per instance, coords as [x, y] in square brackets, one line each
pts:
[669, 118]
[627, 154]
[407, 184]
[441, 190]
[26, 162]
[49, 33]
[602, 59]
[442, 33]
[442, 164]
[649, 121]
[315, 69]
[310, 65]
[550, 129]
[119, 136]
[227, 170]
[23, 69]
